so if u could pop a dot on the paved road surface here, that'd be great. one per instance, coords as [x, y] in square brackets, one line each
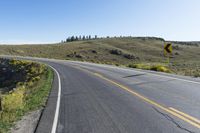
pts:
[106, 99]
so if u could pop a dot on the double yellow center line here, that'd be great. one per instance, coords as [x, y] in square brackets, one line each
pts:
[183, 116]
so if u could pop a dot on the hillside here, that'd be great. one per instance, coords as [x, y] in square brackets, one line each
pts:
[117, 51]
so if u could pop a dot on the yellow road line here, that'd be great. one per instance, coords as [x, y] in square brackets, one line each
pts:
[97, 74]
[185, 115]
[189, 119]
[184, 118]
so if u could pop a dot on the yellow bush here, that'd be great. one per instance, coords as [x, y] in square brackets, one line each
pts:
[8, 116]
[163, 69]
[14, 100]
[154, 67]
[30, 83]
[143, 66]
[26, 96]
[37, 78]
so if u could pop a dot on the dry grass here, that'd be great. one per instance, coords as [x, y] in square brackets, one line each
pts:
[132, 51]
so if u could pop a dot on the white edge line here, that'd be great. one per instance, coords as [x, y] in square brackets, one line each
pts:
[149, 73]
[55, 122]
[180, 79]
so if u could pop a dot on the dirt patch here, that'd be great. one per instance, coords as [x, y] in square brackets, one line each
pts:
[28, 123]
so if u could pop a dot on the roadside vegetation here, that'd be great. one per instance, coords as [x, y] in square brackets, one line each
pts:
[153, 67]
[27, 92]
[138, 52]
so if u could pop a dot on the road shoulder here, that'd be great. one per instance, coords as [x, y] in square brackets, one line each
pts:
[47, 117]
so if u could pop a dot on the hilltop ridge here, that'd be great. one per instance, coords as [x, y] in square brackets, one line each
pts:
[117, 51]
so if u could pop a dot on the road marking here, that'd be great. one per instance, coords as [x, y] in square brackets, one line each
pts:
[185, 80]
[55, 122]
[109, 66]
[150, 101]
[185, 115]
[97, 74]
[193, 121]
[164, 76]
[139, 71]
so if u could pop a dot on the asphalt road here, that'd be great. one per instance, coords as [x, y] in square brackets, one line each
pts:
[106, 99]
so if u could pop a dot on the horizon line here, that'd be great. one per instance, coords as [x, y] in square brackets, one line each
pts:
[15, 42]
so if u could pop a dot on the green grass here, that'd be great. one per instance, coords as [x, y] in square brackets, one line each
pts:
[119, 51]
[39, 95]
[26, 97]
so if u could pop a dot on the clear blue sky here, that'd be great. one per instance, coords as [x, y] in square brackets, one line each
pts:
[35, 21]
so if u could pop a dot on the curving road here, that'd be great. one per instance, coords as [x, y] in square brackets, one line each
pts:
[106, 99]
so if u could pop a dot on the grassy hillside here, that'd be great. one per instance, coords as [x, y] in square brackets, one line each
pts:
[119, 51]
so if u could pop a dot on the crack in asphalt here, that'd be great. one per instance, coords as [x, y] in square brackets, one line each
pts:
[172, 120]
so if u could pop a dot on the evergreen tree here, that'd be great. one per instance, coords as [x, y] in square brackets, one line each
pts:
[80, 38]
[68, 39]
[83, 38]
[76, 38]
[72, 38]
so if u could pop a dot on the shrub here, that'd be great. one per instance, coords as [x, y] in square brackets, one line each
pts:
[197, 74]
[130, 56]
[29, 94]
[161, 69]
[14, 100]
[94, 51]
[139, 66]
[154, 67]
[116, 52]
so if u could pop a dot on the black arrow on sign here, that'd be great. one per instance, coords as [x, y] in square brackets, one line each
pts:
[167, 48]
